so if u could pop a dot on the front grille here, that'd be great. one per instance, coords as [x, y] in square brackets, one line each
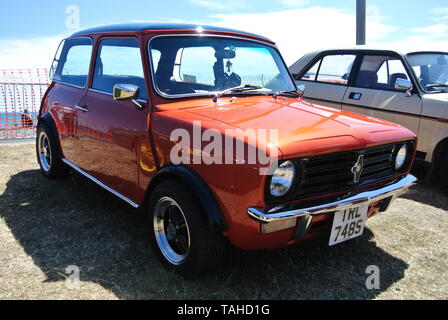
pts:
[332, 173]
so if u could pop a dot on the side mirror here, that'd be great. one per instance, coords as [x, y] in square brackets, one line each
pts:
[404, 85]
[301, 90]
[126, 92]
[122, 92]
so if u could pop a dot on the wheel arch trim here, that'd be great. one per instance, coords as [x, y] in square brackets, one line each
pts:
[210, 208]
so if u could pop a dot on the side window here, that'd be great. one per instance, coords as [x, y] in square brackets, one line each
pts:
[119, 62]
[311, 74]
[380, 72]
[72, 62]
[334, 69]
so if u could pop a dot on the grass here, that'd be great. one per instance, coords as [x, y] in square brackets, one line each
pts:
[46, 226]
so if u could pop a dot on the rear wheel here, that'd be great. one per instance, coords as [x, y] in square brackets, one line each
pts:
[184, 242]
[48, 156]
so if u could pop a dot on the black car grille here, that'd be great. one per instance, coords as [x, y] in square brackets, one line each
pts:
[332, 173]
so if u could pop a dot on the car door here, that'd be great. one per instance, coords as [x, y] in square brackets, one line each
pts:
[69, 73]
[111, 133]
[326, 80]
[373, 92]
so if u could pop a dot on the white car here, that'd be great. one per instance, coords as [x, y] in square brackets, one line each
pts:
[410, 89]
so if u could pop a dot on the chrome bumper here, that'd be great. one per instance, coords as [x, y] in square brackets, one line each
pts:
[390, 190]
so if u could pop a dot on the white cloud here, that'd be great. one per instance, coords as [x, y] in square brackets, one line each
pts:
[299, 31]
[218, 5]
[441, 14]
[295, 3]
[28, 53]
[433, 30]
[440, 11]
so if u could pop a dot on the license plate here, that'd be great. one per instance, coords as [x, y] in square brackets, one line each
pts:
[348, 224]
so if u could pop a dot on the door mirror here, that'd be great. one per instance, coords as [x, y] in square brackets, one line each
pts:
[301, 90]
[131, 92]
[404, 85]
[126, 92]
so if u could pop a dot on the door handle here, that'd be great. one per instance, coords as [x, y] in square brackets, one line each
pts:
[355, 96]
[83, 109]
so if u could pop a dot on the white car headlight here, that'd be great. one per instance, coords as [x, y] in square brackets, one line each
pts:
[283, 179]
[402, 156]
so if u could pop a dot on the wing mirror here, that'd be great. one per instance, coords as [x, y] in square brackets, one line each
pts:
[301, 90]
[405, 86]
[123, 92]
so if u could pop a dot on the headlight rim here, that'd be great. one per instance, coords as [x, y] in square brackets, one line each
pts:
[294, 181]
[403, 167]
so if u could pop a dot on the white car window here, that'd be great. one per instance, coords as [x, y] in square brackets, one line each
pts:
[380, 72]
[333, 69]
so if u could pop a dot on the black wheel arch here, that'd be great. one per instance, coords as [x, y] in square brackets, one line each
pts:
[439, 151]
[210, 208]
[48, 120]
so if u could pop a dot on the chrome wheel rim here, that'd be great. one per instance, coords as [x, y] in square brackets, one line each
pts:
[171, 231]
[44, 149]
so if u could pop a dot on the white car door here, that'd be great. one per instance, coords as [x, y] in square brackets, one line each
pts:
[373, 92]
[327, 79]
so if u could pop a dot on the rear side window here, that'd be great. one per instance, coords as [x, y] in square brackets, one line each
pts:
[380, 72]
[333, 69]
[119, 62]
[72, 62]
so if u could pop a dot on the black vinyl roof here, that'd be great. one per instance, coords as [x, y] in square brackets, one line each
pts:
[138, 27]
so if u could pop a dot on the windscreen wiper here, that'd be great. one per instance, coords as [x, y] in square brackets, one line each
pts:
[245, 88]
[292, 94]
[436, 85]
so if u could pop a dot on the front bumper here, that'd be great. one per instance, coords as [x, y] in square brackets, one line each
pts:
[389, 191]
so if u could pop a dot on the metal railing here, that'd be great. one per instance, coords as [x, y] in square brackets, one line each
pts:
[21, 92]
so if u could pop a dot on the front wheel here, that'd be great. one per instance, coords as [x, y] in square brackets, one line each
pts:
[182, 239]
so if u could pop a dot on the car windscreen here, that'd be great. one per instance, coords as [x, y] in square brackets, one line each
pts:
[431, 70]
[191, 65]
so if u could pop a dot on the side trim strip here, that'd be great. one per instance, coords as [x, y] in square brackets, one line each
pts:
[382, 110]
[119, 195]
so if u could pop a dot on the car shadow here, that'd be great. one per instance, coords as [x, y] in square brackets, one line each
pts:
[427, 191]
[75, 222]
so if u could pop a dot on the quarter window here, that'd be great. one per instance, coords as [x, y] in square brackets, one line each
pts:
[119, 62]
[333, 69]
[380, 72]
[72, 62]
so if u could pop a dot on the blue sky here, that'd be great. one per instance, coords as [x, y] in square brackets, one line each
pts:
[296, 25]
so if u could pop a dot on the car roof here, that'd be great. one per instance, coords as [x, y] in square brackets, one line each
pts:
[307, 58]
[401, 51]
[140, 27]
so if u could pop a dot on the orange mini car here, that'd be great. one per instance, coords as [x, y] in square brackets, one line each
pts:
[204, 129]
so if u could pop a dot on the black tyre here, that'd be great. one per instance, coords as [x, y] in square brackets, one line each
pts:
[443, 168]
[182, 239]
[48, 155]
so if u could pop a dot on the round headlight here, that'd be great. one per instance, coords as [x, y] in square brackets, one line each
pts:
[402, 155]
[283, 179]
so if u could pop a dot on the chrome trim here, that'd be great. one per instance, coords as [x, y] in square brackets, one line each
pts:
[393, 189]
[201, 35]
[81, 108]
[98, 182]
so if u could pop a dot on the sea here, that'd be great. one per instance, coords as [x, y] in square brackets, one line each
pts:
[10, 120]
